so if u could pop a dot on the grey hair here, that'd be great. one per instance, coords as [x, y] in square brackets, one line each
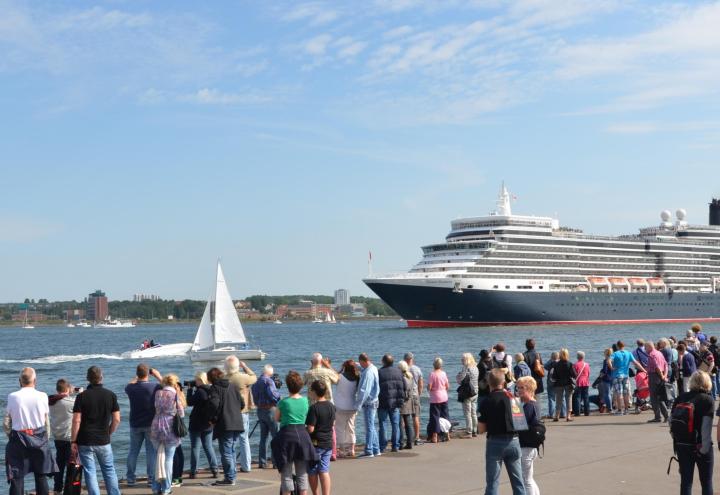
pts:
[437, 363]
[317, 358]
[268, 368]
[232, 364]
[27, 376]
[580, 355]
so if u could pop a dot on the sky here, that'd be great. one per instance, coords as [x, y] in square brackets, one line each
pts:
[140, 141]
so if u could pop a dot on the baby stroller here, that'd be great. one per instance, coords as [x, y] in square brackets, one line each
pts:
[642, 392]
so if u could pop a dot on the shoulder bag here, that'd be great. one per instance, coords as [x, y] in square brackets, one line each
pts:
[538, 368]
[179, 428]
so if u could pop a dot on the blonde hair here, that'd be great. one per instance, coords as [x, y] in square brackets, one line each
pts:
[173, 381]
[528, 383]
[437, 363]
[608, 352]
[700, 382]
[564, 354]
[403, 366]
[202, 376]
[519, 357]
[468, 360]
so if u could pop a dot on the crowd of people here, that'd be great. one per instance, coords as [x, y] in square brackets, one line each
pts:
[306, 432]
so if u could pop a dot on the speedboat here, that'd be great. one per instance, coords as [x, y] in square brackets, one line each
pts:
[277, 322]
[158, 350]
[115, 324]
[84, 324]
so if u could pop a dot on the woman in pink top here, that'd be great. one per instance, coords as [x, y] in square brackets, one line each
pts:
[438, 386]
[582, 371]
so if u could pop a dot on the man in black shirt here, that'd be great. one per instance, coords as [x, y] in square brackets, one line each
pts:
[320, 421]
[96, 415]
[502, 443]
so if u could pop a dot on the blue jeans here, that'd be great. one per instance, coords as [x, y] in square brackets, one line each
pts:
[551, 404]
[715, 384]
[268, 427]
[105, 460]
[499, 450]
[372, 445]
[581, 398]
[244, 454]
[164, 485]
[204, 438]
[394, 415]
[138, 436]
[605, 388]
[227, 441]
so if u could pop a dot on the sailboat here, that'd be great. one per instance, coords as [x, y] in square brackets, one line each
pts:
[329, 318]
[26, 324]
[223, 337]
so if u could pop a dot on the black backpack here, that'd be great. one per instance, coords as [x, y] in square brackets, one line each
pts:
[682, 424]
[534, 436]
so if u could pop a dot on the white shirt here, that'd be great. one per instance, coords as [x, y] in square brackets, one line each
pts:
[27, 409]
[345, 394]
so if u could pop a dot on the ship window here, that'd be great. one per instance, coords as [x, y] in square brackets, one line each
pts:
[507, 286]
[495, 286]
[469, 286]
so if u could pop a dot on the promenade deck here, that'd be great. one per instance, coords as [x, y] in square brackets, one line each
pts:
[596, 454]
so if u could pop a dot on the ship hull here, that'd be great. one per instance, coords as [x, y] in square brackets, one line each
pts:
[423, 306]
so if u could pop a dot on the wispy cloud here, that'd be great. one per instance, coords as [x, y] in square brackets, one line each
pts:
[317, 45]
[315, 12]
[206, 96]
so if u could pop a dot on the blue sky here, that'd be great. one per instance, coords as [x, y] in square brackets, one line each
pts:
[142, 140]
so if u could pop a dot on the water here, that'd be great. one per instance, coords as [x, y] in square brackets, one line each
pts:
[60, 352]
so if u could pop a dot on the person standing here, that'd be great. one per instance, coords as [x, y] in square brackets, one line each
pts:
[345, 408]
[407, 407]
[686, 367]
[200, 426]
[169, 403]
[469, 372]
[640, 354]
[605, 386]
[141, 394]
[390, 400]
[320, 421]
[417, 375]
[562, 409]
[502, 445]
[320, 369]
[266, 396]
[621, 361]
[28, 449]
[484, 366]
[715, 377]
[562, 373]
[242, 381]
[368, 391]
[228, 403]
[61, 407]
[438, 387]
[699, 451]
[525, 389]
[96, 416]
[534, 361]
[581, 395]
[657, 371]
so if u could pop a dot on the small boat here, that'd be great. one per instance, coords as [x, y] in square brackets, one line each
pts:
[223, 337]
[109, 323]
[70, 325]
[83, 324]
[26, 324]
[158, 350]
[329, 318]
[598, 281]
[277, 322]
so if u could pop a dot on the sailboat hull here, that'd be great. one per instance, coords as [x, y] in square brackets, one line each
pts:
[219, 354]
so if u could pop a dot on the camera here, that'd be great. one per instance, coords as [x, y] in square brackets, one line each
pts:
[189, 383]
[77, 389]
[277, 380]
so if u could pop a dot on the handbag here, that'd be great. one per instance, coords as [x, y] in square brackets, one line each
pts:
[538, 368]
[516, 411]
[464, 391]
[73, 479]
[179, 428]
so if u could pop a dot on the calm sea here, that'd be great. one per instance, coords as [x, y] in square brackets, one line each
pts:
[57, 352]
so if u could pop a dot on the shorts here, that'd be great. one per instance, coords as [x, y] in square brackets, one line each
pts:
[323, 465]
[415, 401]
[621, 385]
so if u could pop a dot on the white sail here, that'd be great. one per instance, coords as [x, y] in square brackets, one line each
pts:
[332, 318]
[227, 324]
[327, 318]
[204, 335]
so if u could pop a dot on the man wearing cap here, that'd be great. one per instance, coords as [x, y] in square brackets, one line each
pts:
[26, 424]
[417, 375]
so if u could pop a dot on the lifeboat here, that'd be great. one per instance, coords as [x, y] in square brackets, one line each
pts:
[582, 288]
[656, 282]
[598, 281]
[618, 281]
[637, 282]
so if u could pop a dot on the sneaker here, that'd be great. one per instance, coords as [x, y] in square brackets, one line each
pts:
[224, 483]
[366, 456]
[654, 420]
[176, 482]
[378, 454]
[419, 441]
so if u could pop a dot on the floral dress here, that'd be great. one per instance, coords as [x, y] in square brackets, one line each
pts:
[167, 406]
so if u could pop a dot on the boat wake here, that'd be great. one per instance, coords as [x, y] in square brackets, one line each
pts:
[62, 359]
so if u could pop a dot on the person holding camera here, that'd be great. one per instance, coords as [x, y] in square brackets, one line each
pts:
[266, 396]
[141, 394]
[201, 423]
[242, 380]
[61, 414]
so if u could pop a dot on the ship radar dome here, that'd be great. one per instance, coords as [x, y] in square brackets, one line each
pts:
[665, 215]
[681, 214]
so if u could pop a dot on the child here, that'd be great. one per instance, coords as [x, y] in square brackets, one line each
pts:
[320, 421]
[642, 391]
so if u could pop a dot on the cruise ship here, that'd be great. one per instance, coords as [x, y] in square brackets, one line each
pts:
[507, 269]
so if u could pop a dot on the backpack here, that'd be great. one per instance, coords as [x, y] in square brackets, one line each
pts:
[213, 405]
[534, 437]
[682, 424]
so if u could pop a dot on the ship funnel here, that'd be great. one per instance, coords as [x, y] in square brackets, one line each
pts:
[715, 212]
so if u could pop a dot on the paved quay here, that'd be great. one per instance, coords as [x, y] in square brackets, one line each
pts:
[596, 454]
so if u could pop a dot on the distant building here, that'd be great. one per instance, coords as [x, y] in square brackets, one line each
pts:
[305, 309]
[74, 314]
[96, 308]
[145, 297]
[342, 297]
[242, 305]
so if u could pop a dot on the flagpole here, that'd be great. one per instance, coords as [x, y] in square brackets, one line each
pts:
[369, 263]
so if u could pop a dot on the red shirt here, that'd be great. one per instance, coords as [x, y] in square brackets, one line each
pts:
[656, 361]
[582, 371]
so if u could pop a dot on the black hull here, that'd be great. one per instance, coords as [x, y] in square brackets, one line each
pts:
[434, 306]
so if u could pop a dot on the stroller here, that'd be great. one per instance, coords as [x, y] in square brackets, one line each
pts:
[641, 395]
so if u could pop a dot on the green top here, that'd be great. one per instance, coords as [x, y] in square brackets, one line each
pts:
[293, 411]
